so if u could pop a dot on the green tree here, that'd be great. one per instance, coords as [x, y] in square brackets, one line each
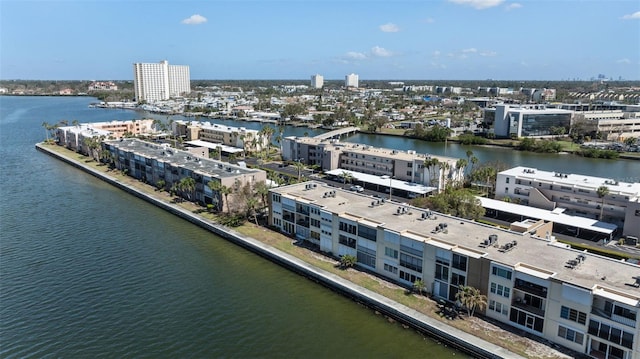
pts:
[433, 166]
[160, 184]
[348, 261]
[602, 192]
[216, 188]
[471, 298]
[226, 191]
[299, 166]
[261, 189]
[188, 185]
[347, 177]
[419, 286]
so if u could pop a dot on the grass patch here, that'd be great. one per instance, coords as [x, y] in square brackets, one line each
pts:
[599, 250]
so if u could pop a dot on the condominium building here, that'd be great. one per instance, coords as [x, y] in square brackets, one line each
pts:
[574, 194]
[73, 137]
[238, 137]
[584, 302]
[161, 165]
[317, 81]
[410, 166]
[525, 120]
[160, 81]
[351, 80]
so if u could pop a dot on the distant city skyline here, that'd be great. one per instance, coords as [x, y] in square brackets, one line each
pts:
[294, 39]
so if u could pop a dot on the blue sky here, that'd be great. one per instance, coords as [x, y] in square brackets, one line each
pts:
[294, 39]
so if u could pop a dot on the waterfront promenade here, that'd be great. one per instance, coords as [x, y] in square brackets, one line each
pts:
[395, 310]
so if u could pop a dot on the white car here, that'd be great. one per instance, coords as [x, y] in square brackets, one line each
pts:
[356, 188]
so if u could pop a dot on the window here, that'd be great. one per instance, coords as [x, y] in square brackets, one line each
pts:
[500, 290]
[409, 277]
[498, 307]
[570, 334]
[501, 272]
[391, 269]
[367, 232]
[613, 335]
[277, 198]
[624, 312]
[410, 262]
[366, 256]
[349, 242]
[459, 262]
[573, 315]
[390, 252]
[457, 279]
[442, 272]
[507, 180]
[506, 190]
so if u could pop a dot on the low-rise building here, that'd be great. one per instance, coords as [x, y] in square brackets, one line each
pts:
[410, 166]
[163, 166]
[525, 120]
[576, 194]
[239, 137]
[581, 301]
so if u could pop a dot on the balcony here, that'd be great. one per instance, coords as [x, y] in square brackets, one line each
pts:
[521, 304]
[613, 317]
[531, 288]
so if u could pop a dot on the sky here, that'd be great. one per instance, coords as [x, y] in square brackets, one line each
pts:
[294, 39]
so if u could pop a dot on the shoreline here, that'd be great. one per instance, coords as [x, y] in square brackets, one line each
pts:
[438, 330]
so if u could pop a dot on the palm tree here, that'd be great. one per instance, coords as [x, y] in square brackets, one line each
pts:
[602, 191]
[347, 261]
[47, 128]
[187, 184]
[299, 166]
[430, 164]
[226, 191]
[252, 203]
[347, 177]
[419, 286]
[262, 189]
[215, 187]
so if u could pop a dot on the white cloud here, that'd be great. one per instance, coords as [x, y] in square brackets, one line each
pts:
[513, 6]
[356, 55]
[195, 19]
[624, 61]
[429, 20]
[634, 16]
[389, 28]
[380, 52]
[436, 53]
[470, 50]
[488, 53]
[478, 4]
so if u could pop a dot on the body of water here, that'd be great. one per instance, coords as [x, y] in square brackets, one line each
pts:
[89, 271]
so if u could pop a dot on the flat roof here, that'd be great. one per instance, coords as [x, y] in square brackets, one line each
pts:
[379, 180]
[548, 258]
[631, 189]
[214, 146]
[177, 158]
[556, 215]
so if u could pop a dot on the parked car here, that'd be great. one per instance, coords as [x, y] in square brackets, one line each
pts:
[356, 188]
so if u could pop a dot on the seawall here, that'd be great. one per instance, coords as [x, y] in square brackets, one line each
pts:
[431, 327]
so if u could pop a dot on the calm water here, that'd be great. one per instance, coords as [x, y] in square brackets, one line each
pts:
[89, 271]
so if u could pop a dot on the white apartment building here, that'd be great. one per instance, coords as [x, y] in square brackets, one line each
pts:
[584, 302]
[317, 81]
[351, 80]
[574, 194]
[160, 81]
[408, 166]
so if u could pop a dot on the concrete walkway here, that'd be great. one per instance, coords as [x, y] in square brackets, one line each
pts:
[455, 337]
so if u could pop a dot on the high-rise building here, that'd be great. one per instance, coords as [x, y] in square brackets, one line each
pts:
[351, 80]
[160, 81]
[317, 81]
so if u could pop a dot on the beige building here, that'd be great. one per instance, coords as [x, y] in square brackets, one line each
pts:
[153, 163]
[408, 166]
[73, 137]
[578, 300]
[239, 137]
[574, 194]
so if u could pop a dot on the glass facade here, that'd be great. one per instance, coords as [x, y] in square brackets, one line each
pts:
[540, 124]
